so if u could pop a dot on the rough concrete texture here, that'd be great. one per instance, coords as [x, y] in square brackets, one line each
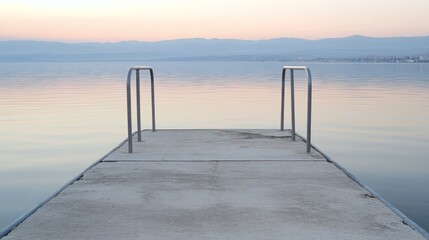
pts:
[283, 199]
[208, 145]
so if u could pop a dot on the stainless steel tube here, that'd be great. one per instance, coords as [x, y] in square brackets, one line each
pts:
[282, 111]
[152, 84]
[310, 90]
[139, 123]
[309, 101]
[129, 120]
[292, 103]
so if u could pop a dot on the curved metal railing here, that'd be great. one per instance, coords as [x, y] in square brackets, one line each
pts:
[129, 121]
[292, 91]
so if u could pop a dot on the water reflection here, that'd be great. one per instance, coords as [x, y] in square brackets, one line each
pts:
[57, 118]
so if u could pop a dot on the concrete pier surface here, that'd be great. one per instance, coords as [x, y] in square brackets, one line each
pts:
[214, 184]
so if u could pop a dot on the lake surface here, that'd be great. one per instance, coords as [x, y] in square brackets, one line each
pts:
[58, 118]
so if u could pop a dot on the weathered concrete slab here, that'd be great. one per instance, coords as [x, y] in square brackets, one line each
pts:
[208, 145]
[231, 199]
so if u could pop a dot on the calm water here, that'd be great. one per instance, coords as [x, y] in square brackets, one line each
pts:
[57, 118]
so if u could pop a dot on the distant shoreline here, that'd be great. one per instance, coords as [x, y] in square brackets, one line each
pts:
[349, 49]
[219, 60]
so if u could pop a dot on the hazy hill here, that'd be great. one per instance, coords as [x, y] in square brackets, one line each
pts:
[215, 49]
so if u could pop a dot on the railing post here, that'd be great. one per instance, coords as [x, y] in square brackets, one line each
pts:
[309, 99]
[152, 83]
[139, 124]
[282, 111]
[292, 103]
[310, 90]
[129, 122]
[129, 119]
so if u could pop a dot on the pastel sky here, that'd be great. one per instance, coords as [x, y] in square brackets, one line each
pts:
[151, 20]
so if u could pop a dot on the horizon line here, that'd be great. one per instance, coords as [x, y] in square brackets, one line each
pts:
[202, 38]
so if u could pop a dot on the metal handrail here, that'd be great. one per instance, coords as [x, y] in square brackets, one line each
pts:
[292, 87]
[139, 134]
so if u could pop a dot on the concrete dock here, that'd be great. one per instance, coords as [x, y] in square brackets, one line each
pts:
[214, 184]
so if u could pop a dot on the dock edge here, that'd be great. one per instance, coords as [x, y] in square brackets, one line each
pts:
[21, 219]
[405, 219]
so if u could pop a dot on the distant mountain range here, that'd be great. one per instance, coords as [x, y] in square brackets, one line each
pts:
[281, 49]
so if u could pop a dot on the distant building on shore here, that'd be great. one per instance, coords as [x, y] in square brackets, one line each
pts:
[424, 58]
